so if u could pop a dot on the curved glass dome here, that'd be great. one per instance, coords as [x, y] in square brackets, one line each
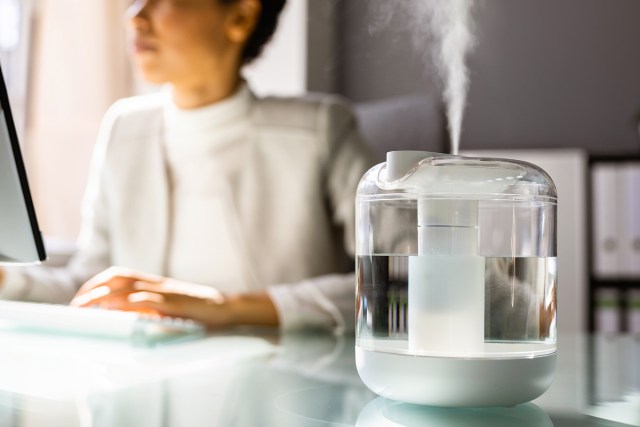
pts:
[433, 174]
[457, 272]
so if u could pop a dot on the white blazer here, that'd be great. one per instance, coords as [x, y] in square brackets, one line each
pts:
[293, 196]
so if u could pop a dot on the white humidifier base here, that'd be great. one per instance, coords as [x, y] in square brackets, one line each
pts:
[455, 382]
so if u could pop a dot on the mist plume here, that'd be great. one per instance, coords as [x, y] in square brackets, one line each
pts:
[442, 34]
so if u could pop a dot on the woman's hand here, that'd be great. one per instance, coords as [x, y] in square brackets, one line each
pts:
[122, 289]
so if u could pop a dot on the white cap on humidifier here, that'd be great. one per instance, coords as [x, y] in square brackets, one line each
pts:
[400, 163]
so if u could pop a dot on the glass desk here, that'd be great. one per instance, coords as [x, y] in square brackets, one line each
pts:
[259, 379]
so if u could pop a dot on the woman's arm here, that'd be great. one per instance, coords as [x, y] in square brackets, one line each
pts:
[116, 288]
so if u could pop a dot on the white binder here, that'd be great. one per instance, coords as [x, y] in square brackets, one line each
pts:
[629, 230]
[607, 311]
[633, 318]
[606, 245]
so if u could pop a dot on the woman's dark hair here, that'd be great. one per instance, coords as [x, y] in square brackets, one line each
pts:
[265, 27]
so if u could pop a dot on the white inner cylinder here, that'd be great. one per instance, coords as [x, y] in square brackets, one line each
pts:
[446, 280]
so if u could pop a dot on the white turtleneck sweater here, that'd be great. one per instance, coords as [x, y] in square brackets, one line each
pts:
[204, 242]
[245, 195]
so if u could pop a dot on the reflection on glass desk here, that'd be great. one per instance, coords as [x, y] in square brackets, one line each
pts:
[262, 379]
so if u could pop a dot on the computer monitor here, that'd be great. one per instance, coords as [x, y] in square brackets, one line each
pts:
[20, 237]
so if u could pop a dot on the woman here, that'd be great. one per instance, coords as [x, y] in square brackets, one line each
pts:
[214, 205]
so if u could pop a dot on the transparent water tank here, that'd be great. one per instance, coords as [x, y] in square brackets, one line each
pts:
[457, 276]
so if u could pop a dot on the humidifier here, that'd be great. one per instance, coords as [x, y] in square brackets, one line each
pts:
[456, 280]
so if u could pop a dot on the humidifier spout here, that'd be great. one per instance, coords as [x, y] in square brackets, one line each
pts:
[400, 163]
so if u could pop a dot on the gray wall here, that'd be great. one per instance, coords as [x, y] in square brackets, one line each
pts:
[545, 73]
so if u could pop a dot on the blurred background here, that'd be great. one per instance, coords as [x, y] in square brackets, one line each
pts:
[555, 83]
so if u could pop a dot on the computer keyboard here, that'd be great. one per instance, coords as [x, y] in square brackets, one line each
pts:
[95, 322]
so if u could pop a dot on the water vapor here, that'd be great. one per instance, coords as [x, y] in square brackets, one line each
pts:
[442, 34]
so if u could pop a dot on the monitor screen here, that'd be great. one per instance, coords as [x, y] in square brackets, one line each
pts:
[20, 238]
